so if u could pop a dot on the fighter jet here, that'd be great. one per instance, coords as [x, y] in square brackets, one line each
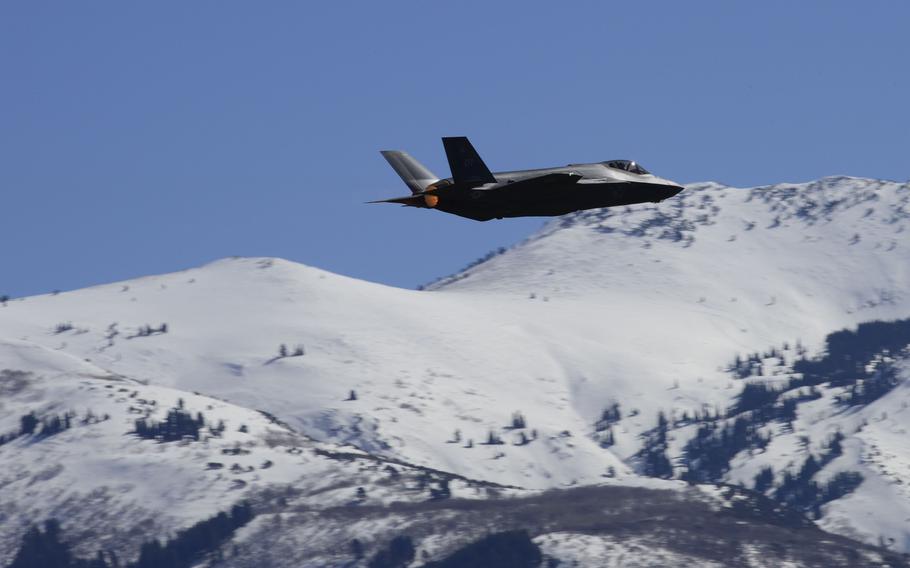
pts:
[475, 192]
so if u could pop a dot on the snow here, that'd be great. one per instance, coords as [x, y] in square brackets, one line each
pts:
[610, 552]
[644, 306]
[102, 481]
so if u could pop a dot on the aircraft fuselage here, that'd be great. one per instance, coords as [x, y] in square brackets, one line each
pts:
[476, 193]
[550, 197]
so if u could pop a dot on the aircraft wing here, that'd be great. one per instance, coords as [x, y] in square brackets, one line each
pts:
[600, 181]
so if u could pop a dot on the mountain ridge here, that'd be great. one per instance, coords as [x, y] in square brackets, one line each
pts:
[507, 373]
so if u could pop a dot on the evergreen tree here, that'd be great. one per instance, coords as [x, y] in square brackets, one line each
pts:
[357, 549]
[512, 549]
[656, 463]
[518, 421]
[28, 423]
[610, 415]
[191, 544]
[43, 549]
[764, 479]
[835, 448]
[178, 424]
[662, 425]
[399, 553]
[493, 438]
[442, 491]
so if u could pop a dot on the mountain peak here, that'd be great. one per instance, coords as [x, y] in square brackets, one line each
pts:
[554, 363]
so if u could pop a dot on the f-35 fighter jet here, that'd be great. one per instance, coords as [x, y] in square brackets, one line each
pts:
[475, 192]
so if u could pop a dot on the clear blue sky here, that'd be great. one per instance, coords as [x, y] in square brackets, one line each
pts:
[147, 137]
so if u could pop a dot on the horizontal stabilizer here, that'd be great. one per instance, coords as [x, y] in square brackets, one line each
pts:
[410, 201]
[413, 173]
[466, 165]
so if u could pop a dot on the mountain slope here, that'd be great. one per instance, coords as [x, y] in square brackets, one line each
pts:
[644, 308]
[422, 365]
[74, 450]
[71, 450]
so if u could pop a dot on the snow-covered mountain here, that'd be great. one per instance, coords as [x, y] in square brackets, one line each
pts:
[545, 366]
[72, 450]
[122, 464]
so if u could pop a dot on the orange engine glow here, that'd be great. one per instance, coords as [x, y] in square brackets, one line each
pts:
[431, 200]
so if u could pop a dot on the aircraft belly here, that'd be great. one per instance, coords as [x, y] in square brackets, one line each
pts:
[550, 200]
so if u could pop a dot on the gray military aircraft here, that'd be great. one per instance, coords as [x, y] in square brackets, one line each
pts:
[475, 192]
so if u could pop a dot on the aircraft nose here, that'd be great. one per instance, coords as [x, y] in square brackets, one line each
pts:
[672, 189]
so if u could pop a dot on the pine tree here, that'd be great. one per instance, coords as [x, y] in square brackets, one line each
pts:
[43, 549]
[764, 479]
[357, 549]
[518, 421]
[28, 423]
[441, 492]
[493, 439]
[399, 553]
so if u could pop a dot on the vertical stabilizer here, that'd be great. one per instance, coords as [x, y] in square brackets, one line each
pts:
[466, 165]
[413, 173]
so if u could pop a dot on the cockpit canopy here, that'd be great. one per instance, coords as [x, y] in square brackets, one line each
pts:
[626, 166]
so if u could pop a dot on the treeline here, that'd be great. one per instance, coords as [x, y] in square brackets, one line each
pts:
[753, 364]
[192, 544]
[768, 402]
[455, 277]
[147, 330]
[857, 360]
[709, 452]
[46, 548]
[178, 424]
[398, 554]
[653, 455]
[801, 491]
[860, 362]
[847, 351]
[510, 549]
[43, 427]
